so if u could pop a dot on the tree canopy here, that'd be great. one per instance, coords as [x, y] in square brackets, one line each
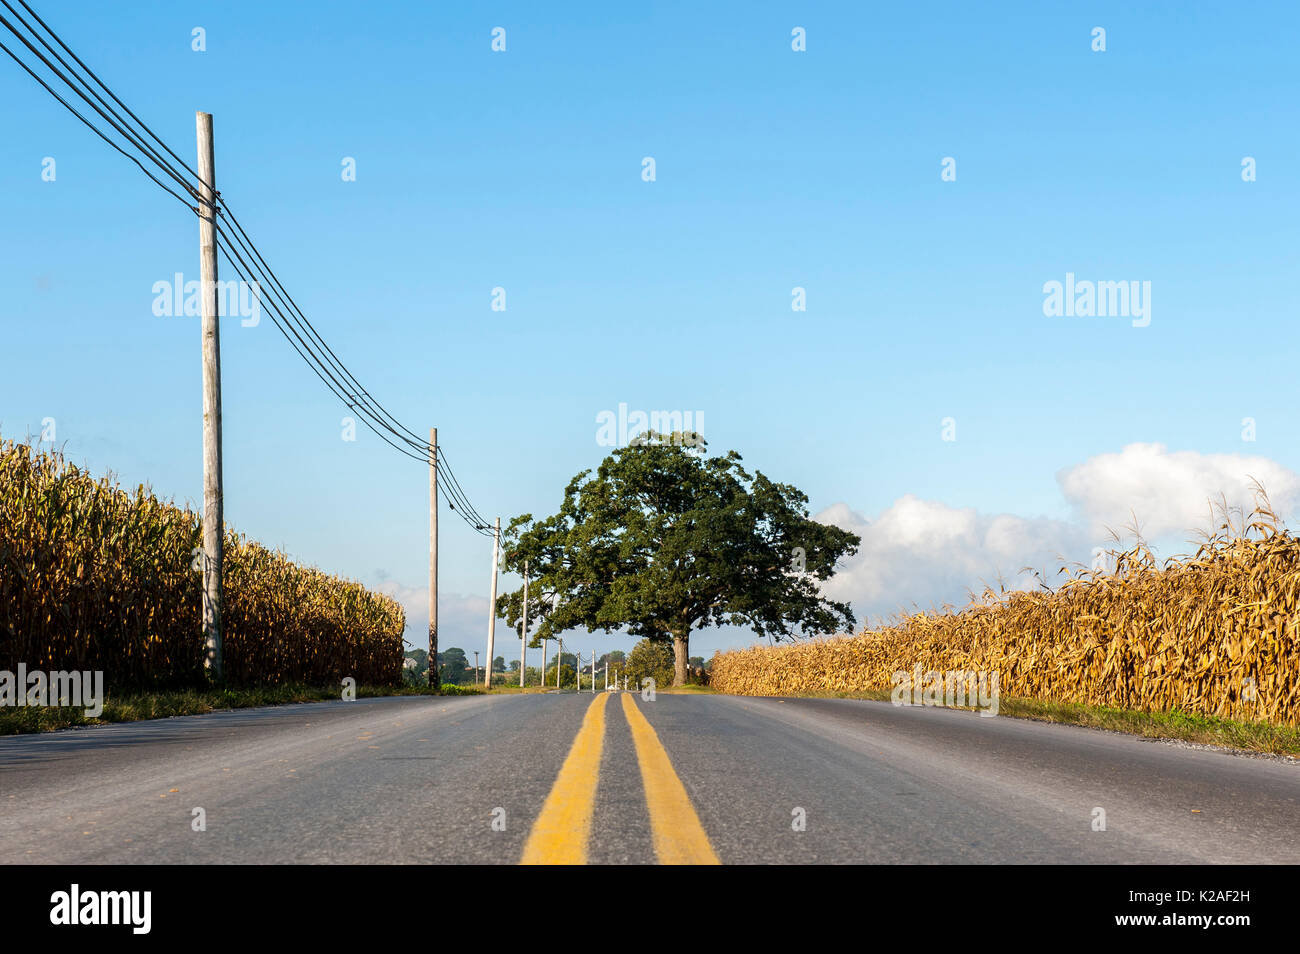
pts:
[453, 665]
[650, 659]
[662, 540]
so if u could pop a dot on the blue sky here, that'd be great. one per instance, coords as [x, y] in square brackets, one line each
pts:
[774, 169]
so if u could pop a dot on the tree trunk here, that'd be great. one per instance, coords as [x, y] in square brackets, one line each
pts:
[681, 656]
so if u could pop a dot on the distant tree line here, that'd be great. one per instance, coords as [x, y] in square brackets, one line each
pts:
[648, 659]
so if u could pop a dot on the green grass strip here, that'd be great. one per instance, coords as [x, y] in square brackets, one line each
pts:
[161, 705]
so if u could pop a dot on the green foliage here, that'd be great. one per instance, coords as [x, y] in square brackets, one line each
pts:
[416, 675]
[615, 660]
[566, 676]
[661, 541]
[453, 666]
[649, 658]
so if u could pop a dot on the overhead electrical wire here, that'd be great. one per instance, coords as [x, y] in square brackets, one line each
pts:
[157, 159]
[236, 246]
[221, 209]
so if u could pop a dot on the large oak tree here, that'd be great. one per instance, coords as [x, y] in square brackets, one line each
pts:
[662, 540]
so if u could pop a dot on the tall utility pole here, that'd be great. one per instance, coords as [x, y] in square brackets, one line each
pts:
[433, 557]
[559, 661]
[476, 665]
[523, 639]
[213, 519]
[492, 605]
[544, 663]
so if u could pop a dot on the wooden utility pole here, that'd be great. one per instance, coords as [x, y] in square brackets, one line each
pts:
[434, 675]
[492, 604]
[213, 518]
[544, 647]
[523, 639]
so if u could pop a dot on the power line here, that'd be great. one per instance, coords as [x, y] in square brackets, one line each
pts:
[89, 124]
[381, 415]
[105, 88]
[232, 257]
[118, 125]
[238, 248]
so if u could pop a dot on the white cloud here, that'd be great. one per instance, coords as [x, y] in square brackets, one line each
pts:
[1170, 492]
[462, 620]
[925, 553]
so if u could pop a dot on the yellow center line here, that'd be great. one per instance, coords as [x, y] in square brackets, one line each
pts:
[679, 837]
[562, 830]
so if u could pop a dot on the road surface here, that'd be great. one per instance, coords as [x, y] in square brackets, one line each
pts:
[612, 778]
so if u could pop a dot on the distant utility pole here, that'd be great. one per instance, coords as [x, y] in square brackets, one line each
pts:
[476, 667]
[433, 558]
[213, 518]
[543, 664]
[559, 661]
[523, 639]
[492, 604]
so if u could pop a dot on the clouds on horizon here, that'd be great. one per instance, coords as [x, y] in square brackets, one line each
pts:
[924, 553]
[920, 553]
[1170, 493]
[462, 619]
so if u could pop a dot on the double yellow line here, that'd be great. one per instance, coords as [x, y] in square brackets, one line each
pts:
[563, 829]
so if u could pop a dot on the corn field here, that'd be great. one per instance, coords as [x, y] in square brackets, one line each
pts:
[94, 577]
[1216, 633]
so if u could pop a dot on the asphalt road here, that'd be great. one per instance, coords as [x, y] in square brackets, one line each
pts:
[685, 778]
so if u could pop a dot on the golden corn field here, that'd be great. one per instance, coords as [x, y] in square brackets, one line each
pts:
[93, 577]
[1216, 633]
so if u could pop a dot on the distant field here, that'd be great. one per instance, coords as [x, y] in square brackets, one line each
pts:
[1211, 636]
[97, 577]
